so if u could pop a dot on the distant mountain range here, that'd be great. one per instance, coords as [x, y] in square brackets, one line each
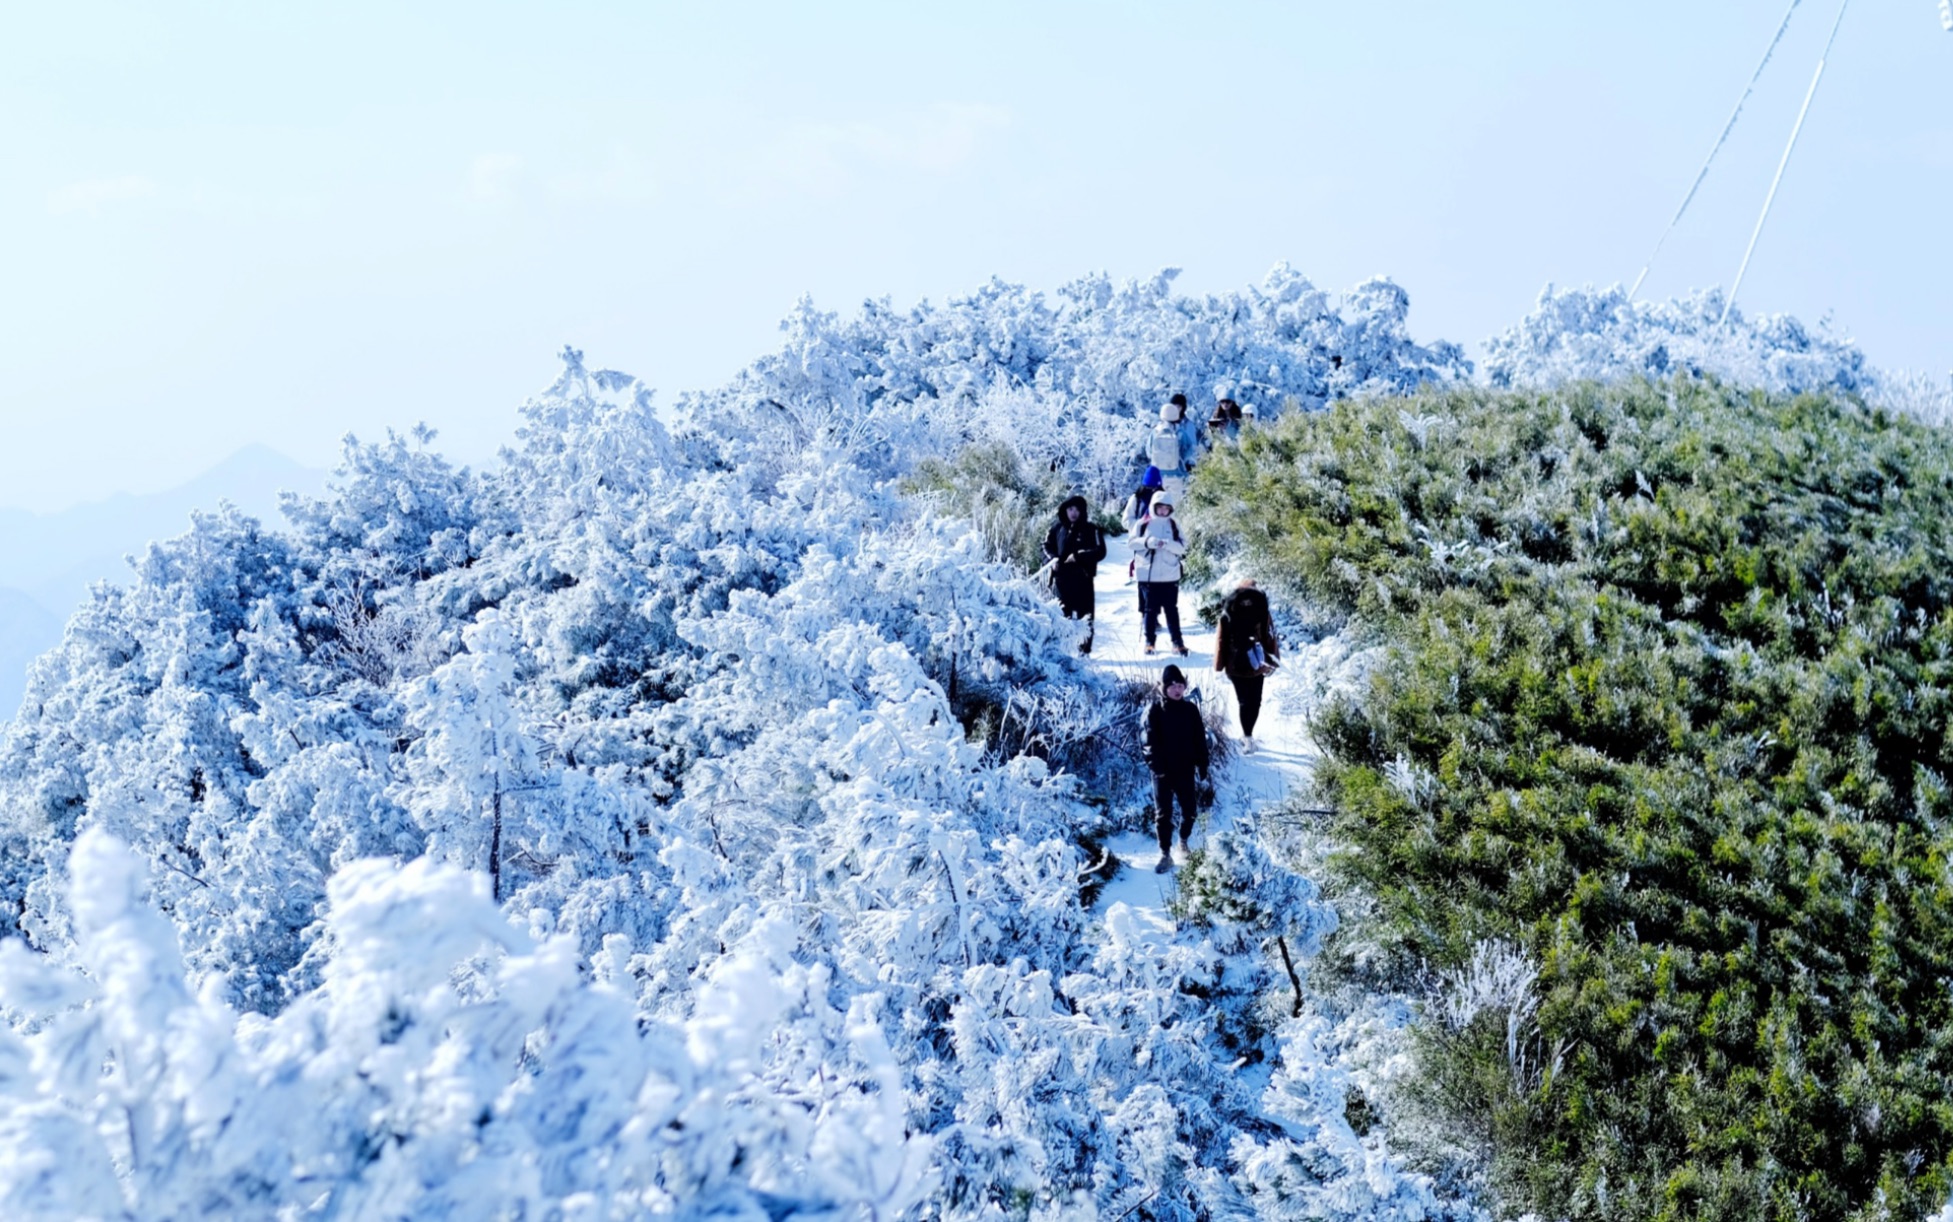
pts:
[48, 561]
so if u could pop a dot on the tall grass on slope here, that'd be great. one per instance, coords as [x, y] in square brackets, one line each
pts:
[1665, 713]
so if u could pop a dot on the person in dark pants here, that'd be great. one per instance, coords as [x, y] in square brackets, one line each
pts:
[1175, 739]
[1245, 650]
[1157, 548]
[1139, 509]
[1075, 546]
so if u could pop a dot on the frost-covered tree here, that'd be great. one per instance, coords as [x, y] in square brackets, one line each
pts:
[1575, 334]
[447, 1065]
[473, 764]
[1065, 382]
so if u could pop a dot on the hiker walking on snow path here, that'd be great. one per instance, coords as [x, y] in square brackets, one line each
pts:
[1075, 546]
[1247, 652]
[1157, 547]
[1175, 739]
[1139, 507]
[1170, 446]
[1188, 427]
[1139, 504]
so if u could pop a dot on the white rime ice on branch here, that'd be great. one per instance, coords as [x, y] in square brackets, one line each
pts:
[448, 1065]
[777, 934]
[1576, 334]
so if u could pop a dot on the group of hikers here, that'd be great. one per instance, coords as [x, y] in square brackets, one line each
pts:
[1246, 649]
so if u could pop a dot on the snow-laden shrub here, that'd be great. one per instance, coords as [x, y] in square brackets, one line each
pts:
[1235, 888]
[1317, 1165]
[1599, 335]
[1498, 977]
[1010, 502]
[1922, 396]
[449, 1064]
[1071, 385]
[1589, 334]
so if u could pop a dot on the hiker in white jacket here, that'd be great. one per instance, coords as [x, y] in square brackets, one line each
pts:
[1157, 548]
[1169, 446]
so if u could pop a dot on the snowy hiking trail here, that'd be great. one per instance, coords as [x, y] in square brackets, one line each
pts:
[1284, 758]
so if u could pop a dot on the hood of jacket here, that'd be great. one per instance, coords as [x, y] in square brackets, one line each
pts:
[1084, 510]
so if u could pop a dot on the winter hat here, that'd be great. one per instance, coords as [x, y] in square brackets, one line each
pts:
[1153, 479]
[1162, 497]
[1171, 413]
[1172, 675]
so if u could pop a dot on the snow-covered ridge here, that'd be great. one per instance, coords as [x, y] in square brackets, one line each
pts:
[606, 835]
[1602, 335]
[48, 561]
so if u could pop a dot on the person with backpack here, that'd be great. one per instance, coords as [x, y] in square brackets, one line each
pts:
[1189, 428]
[1246, 651]
[1138, 508]
[1175, 742]
[1167, 446]
[1157, 548]
[1075, 545]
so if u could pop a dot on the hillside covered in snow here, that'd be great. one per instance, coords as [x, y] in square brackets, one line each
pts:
[49, 560]
[711, 820]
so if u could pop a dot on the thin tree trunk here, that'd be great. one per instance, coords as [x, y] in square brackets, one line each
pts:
[954, 624]
[1293, 979]
[495, 849]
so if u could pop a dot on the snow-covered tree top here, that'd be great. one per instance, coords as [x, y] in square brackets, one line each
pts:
[1575, 334]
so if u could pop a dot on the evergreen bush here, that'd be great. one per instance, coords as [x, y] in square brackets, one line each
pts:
[1664, 709]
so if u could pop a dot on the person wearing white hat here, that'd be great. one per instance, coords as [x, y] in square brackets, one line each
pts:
[1169, 447]
[1158, 546]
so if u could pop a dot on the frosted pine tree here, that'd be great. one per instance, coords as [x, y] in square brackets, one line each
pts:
[473, 766]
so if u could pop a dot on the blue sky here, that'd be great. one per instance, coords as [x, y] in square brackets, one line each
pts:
[237, 223]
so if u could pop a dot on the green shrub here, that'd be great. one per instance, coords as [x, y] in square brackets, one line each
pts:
[988, 483]
[1666, 705]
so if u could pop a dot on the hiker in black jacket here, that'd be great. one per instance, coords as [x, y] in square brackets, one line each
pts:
[1075, 546]
[1175, 739]
[1247, 651]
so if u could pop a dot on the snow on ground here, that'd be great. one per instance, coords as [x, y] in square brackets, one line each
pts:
[1283, 760]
